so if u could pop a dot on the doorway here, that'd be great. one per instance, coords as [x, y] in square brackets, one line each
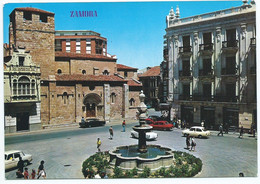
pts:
[22, 121]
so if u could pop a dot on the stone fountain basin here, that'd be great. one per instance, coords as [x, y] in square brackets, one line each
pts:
[145, 128]
[139, 162]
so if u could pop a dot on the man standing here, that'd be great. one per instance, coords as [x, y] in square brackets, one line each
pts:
[98, 144]
[41, 171]
[220, 130]
[111, 132]
[123, 125]
[20, 166]
[241, 132]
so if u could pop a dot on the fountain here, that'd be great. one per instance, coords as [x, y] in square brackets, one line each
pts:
[141, 155]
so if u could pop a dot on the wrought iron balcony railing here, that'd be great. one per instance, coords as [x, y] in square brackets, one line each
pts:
[229, 71]
[206, 47]
[205, 72]
[230, 44]
[184, 73]
[185, 49]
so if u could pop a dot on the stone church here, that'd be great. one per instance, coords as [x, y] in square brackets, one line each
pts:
[78, 77]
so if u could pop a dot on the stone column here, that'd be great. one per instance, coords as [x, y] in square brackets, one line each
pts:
[53, 99]
[194, 62]
[170, 68]
[78, 102]
[217, 59]
[125, 100]
[107, 102]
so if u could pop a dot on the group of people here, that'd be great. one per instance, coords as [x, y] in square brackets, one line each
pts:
[24, 173]
[190, 143]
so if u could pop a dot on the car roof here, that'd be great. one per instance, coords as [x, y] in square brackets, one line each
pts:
[12, 151]
[197, 127]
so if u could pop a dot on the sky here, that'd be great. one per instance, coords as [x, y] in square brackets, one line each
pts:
[134, 30]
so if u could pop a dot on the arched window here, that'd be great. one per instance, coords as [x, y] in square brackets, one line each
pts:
[84, 72]
[33, 87]
[65, 97]
[15, 87]
[113, 97]
[24, 86]
[132, 102]
[59, 71]
[105, 72]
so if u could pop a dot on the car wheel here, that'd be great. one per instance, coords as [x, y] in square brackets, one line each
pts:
[185, 135]
[132, 135]
[200, 136]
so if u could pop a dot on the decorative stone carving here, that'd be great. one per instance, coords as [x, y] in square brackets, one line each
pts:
[218, 33]
[195, 34]
[243, 30]
[176, 40]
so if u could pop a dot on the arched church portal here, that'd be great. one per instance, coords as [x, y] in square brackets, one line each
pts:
[90, 102]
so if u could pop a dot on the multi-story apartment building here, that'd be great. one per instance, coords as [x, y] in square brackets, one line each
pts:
[212, 66]
[151, 80]
[78, 78]
[21, 92]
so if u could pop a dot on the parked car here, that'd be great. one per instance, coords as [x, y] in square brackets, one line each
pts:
[196, 131]
[12, 158]
[161, 125]
[92, 122]
[148, 135]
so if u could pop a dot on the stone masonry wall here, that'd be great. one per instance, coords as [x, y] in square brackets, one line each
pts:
[38, 37]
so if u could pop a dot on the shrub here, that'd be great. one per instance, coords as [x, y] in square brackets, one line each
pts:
[134, 171]
[146, 173]
[118, 173]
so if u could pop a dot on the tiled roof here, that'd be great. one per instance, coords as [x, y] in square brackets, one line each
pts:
[124, 67]
[81, 77]
[131, 82]
[34, 10]
[154, 71]
[72, 55]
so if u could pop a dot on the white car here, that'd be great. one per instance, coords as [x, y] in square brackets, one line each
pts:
[149, 135]
[12, 158]
[196, 131]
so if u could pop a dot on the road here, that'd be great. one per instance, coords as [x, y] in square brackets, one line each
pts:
[64, 151]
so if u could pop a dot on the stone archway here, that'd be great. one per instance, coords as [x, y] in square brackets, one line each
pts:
[91, 101]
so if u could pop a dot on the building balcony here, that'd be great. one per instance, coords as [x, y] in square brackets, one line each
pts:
[23, 69]
[185, 51]
[224, 98]
[206, 49]
[199, 97]
[206, 73]
[185, 75]
[230, 46]
[229, 72]
[185, 97]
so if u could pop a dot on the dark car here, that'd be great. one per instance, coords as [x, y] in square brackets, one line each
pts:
[92, 122]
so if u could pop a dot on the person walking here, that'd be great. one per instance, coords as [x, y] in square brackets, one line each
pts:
[241, 132]
[111, 132]
[20, 166]
[202, 123]
[193, 144]
[188, 141]
[33, 174]
[26, 173]
[98, 144]
[220, 130]
[41, 171]
[123, 125]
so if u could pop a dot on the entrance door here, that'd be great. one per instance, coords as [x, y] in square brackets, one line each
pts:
[22, 121]
[187, 115]
[208, 116]
[91, 110]
[231, 117]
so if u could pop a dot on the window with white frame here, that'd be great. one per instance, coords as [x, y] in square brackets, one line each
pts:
[88, 46]
[77, 45]
[67, 45]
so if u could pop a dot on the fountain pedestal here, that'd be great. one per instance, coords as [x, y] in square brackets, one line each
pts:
[142, 148]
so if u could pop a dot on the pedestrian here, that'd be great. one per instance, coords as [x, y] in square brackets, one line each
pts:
[111, 132]
[26, 173]
[241, 174]
[179, 123]
[193, 144]
[123, 125]
[41, 171]
[33, 174]
[226, 128]
[241, 132]
[188, 141]
[82, 120]
[202, 123]
[20, 166]
[253, 129]
[220, 130]
[98, 144]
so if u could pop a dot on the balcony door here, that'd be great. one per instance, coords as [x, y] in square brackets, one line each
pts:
[207, 91]
[206, 66]
[231, 91]
[231, 65]
[231, 37]
[186, 67]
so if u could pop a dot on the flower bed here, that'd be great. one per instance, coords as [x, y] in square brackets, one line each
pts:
[184, 165]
